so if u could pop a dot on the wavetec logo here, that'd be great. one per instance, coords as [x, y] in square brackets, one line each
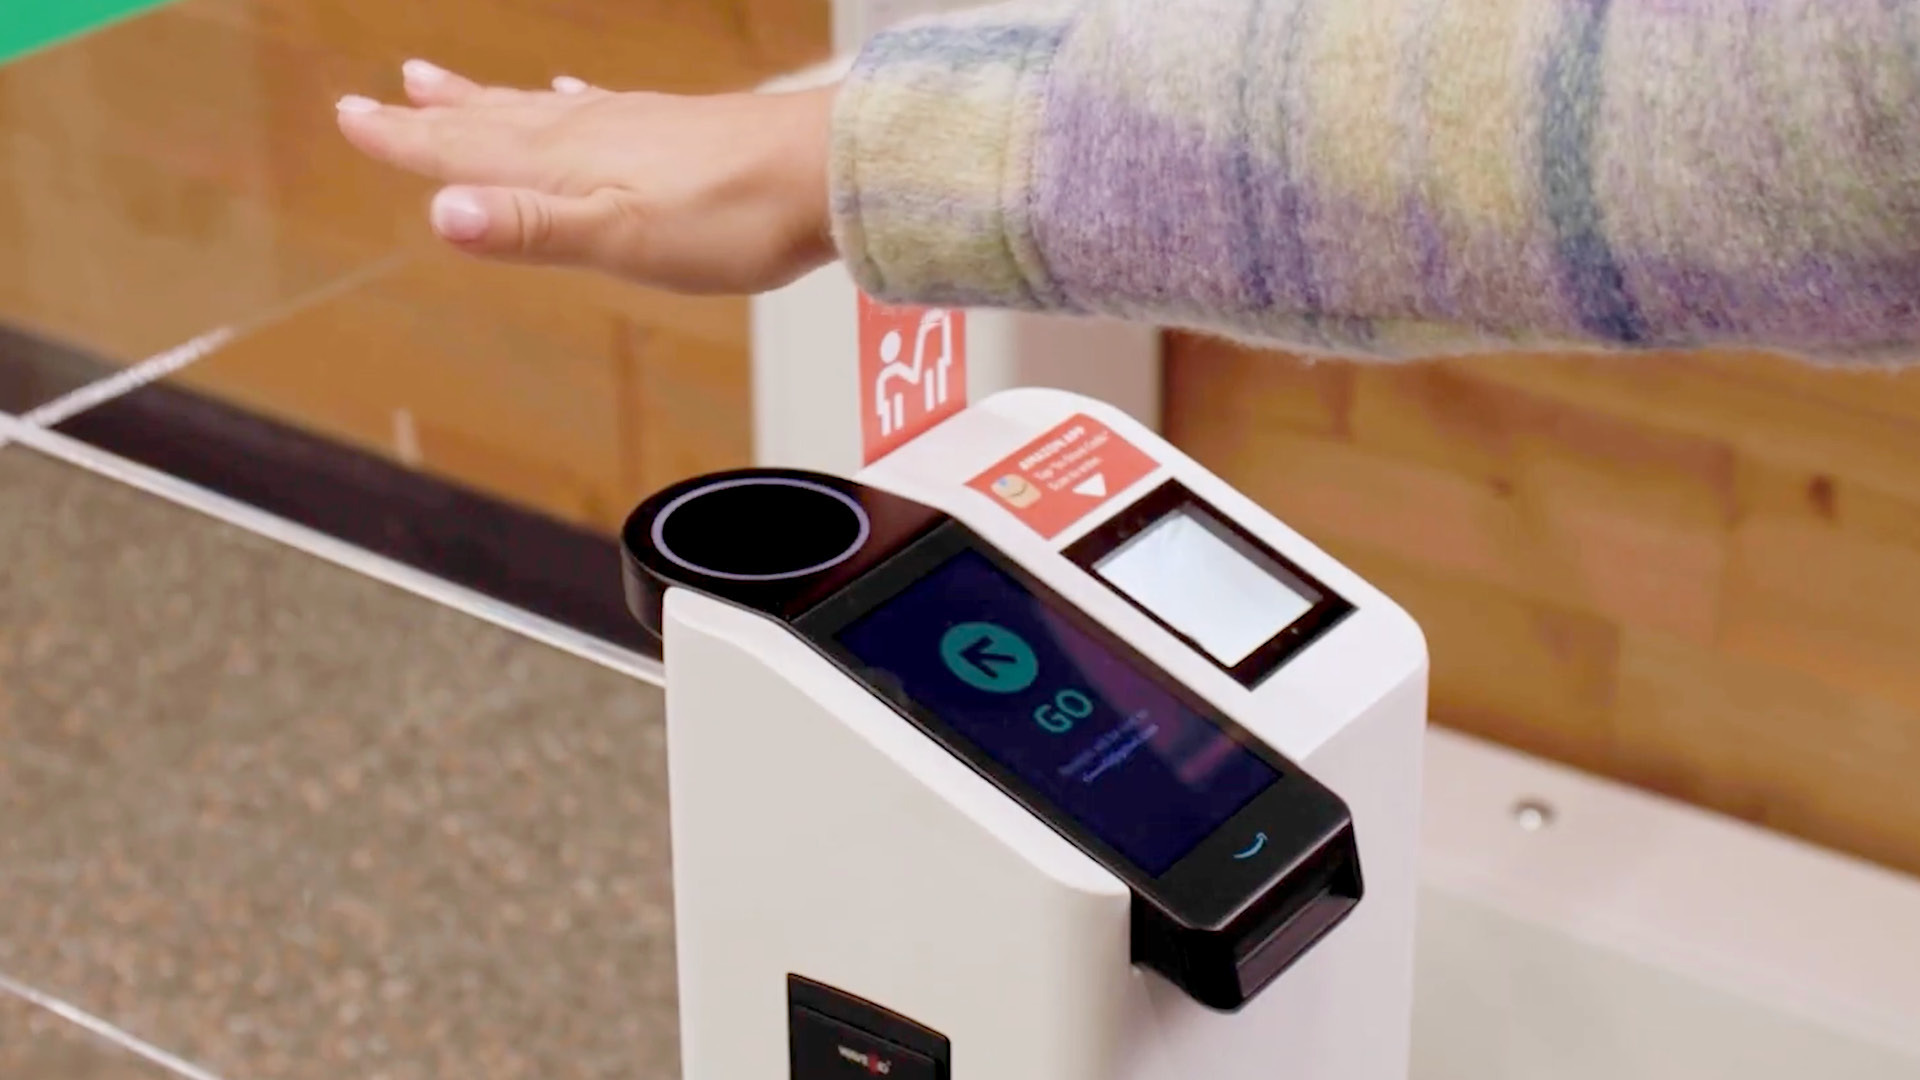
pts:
[873, 1063]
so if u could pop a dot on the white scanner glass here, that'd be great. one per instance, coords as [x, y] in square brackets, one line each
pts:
[1184, 571]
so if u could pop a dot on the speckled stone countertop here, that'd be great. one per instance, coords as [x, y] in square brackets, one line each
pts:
[285, 821]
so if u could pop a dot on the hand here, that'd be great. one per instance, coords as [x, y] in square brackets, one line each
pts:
[720, 194]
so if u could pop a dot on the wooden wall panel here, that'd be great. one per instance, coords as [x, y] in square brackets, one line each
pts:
[1770, 743]
[686, 404]
[1699, 574]
[517, 402]
[181, 172]
[1502, 659]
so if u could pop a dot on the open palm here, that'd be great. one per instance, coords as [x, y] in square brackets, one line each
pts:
[716, 194]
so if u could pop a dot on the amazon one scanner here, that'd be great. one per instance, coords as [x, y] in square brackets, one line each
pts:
[1033, 752]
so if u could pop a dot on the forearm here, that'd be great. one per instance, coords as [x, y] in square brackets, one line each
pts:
[1402, 177]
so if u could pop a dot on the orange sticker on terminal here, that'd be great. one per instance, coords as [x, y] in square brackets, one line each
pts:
[913, 372]
[1059, 478]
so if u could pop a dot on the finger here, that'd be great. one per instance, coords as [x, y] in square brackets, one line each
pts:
[461, 146]
[569, 89]
[430, 84]
[528, 226]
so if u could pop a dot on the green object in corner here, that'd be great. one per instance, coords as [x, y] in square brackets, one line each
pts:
[27, 25]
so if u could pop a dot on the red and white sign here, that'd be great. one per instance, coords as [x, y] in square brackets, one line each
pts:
[913, 372]
[1064, 475]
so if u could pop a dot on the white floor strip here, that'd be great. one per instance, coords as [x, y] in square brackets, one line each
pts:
[340, 553]
[34, 430]
[150, 370]
[125, 1040]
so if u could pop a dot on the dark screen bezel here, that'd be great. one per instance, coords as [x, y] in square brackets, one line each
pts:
[1203, 889]
[1328, 610]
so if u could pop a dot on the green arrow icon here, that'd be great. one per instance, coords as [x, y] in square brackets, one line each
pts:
[989, 657]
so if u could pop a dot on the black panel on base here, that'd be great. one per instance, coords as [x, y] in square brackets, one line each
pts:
[833, 1035]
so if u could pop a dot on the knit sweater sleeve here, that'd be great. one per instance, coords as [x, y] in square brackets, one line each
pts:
[1401, 177]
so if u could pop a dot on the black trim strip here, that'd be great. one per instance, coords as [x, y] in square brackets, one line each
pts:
[554, 570]
[875, 1021]
[35, 370]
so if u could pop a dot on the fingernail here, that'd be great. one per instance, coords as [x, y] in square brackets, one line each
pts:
[458, 215]
[421, 73]
[567, 84]
[354, 103]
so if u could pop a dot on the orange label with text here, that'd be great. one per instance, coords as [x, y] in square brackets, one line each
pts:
[913, 372]
[1064, 475]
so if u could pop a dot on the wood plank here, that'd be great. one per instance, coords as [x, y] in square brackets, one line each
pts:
[1635, 514]
[787, 34]
[1446, 414]
[1881, 389]
[1714, 398]
[686, 408]
[124, 252]
[242, 112]
[156, 216]
[421, 367]
[1823, 579]
[1833, 604]
[1209, 380]
[1550, 532]
[669, 45]
[1765, 742]
[1822, 498]
[1505, 667]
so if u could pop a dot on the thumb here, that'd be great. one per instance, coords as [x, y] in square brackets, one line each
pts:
[531, 226]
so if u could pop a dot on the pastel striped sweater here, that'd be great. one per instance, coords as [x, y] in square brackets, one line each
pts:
[1402, 177]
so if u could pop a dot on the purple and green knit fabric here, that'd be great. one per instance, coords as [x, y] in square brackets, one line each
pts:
[1402, 177]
